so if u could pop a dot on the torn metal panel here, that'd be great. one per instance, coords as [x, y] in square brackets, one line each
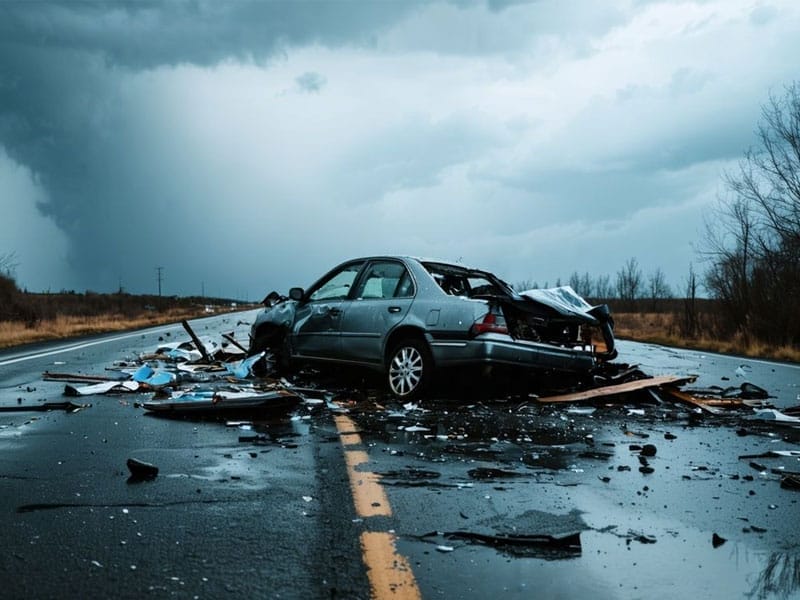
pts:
[212, 401]
[154, 378]
[775, 416]
[622, 388]
[101, 388]
[244, 368]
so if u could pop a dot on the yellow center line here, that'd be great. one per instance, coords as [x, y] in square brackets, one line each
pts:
[368, 494]
[389, 573]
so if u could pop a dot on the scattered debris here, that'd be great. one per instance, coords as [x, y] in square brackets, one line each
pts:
[67, 406]
[490, 473]
[790, 482]
[717, 541]
[746, 391]
[101, 388]
[648, 450]
[76, 378]
[141, 471]
[198, 344]
[771, 414]
[570, 542]
[153, 378]
[216, 401]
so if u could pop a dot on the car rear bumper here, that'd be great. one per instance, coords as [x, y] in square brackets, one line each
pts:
[501, 349]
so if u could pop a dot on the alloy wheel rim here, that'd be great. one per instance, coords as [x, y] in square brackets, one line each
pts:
[405, 372]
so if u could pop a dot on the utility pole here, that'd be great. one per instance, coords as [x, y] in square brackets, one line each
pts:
[159, 279]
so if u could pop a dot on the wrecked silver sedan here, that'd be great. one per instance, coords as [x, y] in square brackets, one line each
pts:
[406, 317]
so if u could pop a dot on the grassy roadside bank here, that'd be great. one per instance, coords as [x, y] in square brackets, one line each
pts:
[662, 329]
[15, 333]
[27, 317]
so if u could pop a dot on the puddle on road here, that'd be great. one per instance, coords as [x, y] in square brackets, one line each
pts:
[610, 565]
[484, 459]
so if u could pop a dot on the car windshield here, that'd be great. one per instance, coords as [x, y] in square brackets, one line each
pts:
[337, 285]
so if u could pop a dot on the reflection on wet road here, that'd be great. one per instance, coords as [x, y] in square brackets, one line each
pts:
[485, 494]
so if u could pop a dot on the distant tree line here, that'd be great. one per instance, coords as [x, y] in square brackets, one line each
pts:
[32, 308]
[630, 288]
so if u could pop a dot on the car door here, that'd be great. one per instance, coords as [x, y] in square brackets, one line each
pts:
[381, 300]
[315, 333]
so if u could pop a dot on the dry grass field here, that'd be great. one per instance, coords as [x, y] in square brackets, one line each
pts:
[662, 328]
[15, 333]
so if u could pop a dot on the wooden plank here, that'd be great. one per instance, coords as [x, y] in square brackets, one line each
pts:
[691, 400]
[622, 388]
[68, 406]
[77, 377]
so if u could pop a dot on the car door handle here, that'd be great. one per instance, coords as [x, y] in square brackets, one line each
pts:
[334, 312]
[394, 309]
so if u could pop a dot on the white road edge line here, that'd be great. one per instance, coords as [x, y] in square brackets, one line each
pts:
[71, 347]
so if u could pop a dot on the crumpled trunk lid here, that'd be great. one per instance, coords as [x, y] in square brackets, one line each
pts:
[561, 317]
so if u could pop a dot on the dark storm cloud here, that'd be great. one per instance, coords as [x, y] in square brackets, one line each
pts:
[146, 34]
[61, 67]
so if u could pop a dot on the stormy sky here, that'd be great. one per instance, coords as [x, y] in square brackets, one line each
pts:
[249, 146]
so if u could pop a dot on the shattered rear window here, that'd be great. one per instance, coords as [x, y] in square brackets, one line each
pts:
[457, 281]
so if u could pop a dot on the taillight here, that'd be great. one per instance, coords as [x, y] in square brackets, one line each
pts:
[491, 323]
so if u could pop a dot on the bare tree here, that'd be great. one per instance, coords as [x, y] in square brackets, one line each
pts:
[602, 287]
[689, 324]
[629, 282]
[753, 239]
[526, 284]
[657, 288]
[582, 284]
[8, 286]
[8, 263]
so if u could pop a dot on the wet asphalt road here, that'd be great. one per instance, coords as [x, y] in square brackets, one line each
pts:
[276, 520]
[222, 519]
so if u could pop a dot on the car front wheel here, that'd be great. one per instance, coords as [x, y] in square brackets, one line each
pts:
[409, 369]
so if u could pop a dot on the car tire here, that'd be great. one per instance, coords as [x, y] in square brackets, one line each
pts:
[275, 361]
[408, 368]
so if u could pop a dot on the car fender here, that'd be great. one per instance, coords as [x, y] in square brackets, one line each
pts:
[280, 316]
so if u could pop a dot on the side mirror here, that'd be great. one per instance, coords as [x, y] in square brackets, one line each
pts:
[296, 293]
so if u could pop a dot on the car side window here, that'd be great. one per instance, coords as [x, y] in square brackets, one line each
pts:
[386, 279]
[338, 285]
